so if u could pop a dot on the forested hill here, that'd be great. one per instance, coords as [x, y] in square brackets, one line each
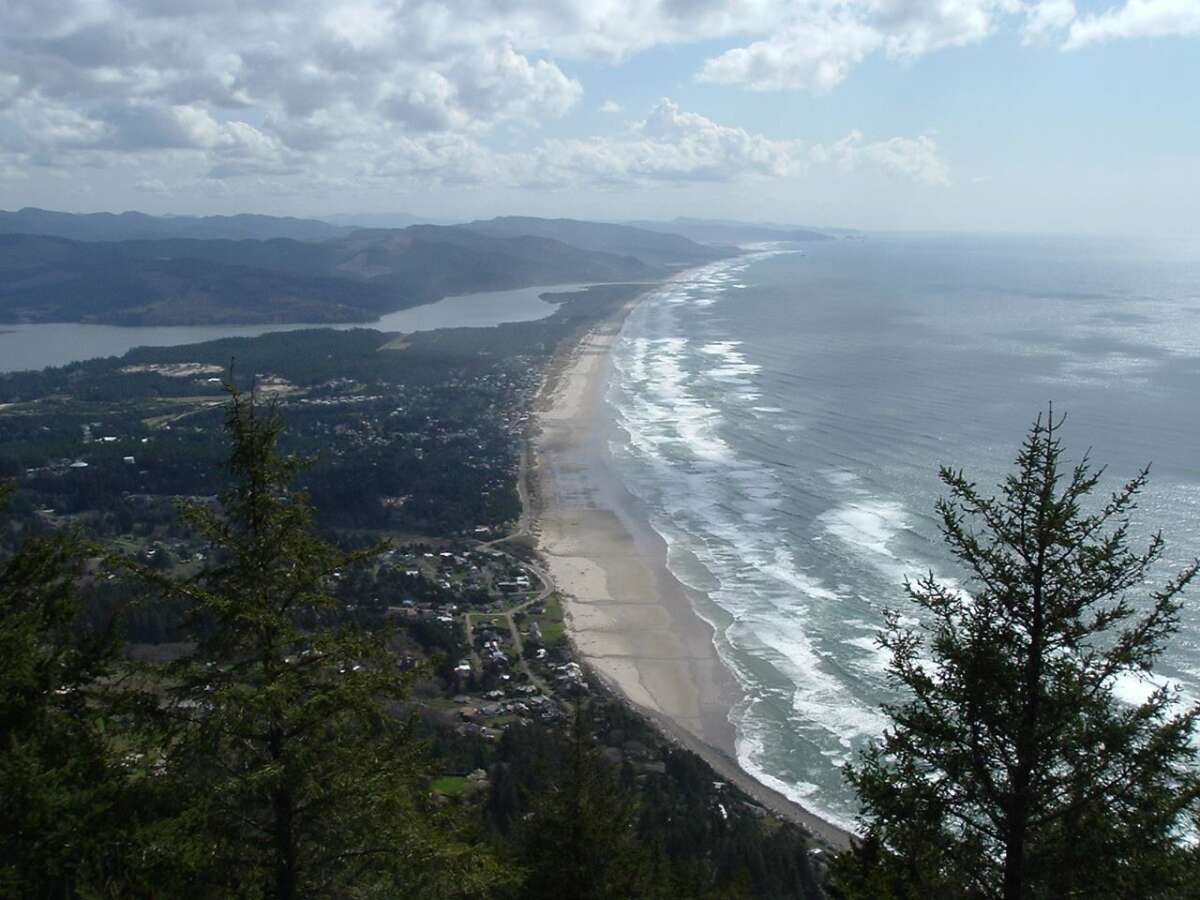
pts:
[353, 276]
[125, 226]
[651, 247]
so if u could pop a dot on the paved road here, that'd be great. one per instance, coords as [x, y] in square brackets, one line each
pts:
[469, 619]
[522, 530]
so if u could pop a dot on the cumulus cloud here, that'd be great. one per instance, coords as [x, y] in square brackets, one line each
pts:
[1059, 21]
[1045, 20]
[499, 83]
[426, 90]
[142, 125]
[669, 145]
[1136, 19]
[815, 45]
[912, 29]
[674, 147]
[815, 56]
[416, 66]
[916, 159]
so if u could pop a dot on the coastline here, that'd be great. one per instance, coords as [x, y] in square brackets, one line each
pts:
[629, 618]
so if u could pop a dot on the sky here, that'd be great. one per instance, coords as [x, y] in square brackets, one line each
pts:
[1075, 116]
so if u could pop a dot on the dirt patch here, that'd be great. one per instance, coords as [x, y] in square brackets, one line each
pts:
[175, 370]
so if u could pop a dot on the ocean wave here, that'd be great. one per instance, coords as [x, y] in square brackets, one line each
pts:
[773, 444]
[751, 751]
[719, 512]
[867, 525]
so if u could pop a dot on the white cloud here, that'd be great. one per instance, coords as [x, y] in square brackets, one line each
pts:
[381, 92]
[421, 67]
[912, 28]
[815, 56]
[916, 160]
[1136, 19]
[1045, 20]
[670, 146]
[815, 45]
[142, 125]
[674, 147]
[499, 83]
[154, 186]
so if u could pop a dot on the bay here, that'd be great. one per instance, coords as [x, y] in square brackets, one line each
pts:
[58, 343]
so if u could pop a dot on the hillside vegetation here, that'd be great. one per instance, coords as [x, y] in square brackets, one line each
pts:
[350, 277]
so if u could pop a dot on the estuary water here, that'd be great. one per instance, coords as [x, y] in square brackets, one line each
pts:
[59, 343]
[780, 419]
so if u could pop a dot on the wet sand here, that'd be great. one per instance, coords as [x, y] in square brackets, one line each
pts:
[629, 618]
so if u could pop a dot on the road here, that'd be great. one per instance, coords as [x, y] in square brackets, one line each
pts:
[522, 530]
[469, 618]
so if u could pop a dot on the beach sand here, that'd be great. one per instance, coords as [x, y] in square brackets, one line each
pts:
[630, 620]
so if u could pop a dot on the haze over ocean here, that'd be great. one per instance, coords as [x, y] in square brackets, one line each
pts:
[781, 419]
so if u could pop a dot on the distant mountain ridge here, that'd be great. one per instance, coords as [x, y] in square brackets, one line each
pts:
[105, 226]
[352, 276]
[382, 220]
[652, 246]
[715, 231]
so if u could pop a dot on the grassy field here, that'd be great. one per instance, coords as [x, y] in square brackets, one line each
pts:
[551, 621]
[450, 785]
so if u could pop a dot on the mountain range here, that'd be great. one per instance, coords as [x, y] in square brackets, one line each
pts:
[125, 226]
[719, 231]
[335, 275]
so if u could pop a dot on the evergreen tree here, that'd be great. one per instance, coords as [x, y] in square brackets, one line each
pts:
[579, 841]
[1012, 770]
[278, 736]
[60, 787]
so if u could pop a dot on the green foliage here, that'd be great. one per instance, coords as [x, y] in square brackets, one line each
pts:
[1012, 770]
[580, 840]
[60, 788]
[276, 735]
[450, 785]
[358, 277]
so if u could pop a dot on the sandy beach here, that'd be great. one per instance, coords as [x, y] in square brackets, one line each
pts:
[629, 618]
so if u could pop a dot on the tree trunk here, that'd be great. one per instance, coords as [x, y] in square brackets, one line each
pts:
[285, 848]
[1027, 736]
[1014, 848]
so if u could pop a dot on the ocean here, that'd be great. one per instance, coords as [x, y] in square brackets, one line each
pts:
[779, 419]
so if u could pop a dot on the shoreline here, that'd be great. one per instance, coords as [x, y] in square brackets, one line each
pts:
[629, 619]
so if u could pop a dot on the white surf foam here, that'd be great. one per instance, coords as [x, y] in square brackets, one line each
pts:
[868, 525]
[750, 751]
[717, 512]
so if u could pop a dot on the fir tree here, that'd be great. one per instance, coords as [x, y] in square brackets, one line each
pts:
[579, 841]
[294, 776]
[60, 785]
[1012, 770]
